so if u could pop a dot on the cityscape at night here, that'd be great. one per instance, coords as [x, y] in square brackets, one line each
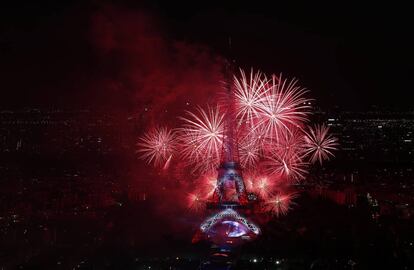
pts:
[149, 135]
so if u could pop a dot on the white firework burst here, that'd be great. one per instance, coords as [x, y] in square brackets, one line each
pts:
[319, 144]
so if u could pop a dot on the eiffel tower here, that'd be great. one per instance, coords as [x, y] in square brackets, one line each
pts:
[231, 189]
[227, 225]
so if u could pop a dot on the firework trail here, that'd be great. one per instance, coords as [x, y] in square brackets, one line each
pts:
[289, 167]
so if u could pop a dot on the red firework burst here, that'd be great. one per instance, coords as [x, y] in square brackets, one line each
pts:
[270, 138]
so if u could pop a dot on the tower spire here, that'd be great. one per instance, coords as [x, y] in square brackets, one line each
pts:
[230, 151]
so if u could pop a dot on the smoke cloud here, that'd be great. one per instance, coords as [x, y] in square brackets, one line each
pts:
[147, 71]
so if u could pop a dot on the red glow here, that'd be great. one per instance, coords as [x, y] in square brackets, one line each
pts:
[270, 135]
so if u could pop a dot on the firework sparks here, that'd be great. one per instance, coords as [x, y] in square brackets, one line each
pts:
[263, 186]
[249, 151]
[249, 182]
[290, 143]
[157, 146]
[195, 202]
[290, 167]
[249, 95]
[202, 136]
[319, 144]
[280, 204]
[209, 185]
[190, 149]
[282, 106]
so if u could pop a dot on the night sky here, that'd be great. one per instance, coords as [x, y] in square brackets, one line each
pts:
[76, 54]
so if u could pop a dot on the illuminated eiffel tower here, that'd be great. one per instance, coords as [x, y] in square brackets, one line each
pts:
[227, 225]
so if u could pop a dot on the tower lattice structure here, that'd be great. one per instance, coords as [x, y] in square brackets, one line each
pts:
[231, 189]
